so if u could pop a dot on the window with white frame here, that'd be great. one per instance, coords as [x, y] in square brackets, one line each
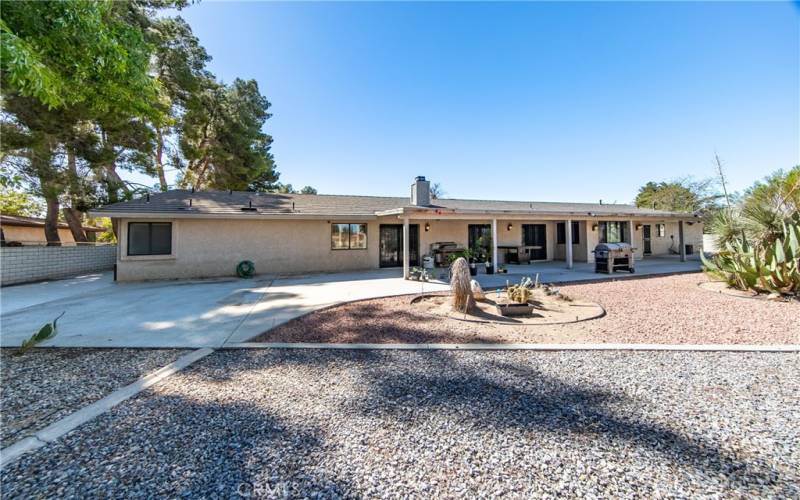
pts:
[661, 230]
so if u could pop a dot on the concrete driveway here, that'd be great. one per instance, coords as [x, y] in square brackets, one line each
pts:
[203, 313]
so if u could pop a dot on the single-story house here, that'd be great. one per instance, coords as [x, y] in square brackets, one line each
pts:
[23, 231]
[188, 234]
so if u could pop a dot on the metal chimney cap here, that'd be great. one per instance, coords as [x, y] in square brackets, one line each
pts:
[420, 178]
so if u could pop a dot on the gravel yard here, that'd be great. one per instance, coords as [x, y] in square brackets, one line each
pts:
[47, 384]
[432, 424]
[658, 310]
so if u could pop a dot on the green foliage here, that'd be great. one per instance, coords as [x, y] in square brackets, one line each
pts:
[75, 53]
[773, 267]
[222, 139]
[107, 236]
[46, 332]
[92, 88]
[759, 237]
[13, 202]
[682, 195]
[308, 190]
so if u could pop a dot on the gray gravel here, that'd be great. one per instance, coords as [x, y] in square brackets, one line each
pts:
[47, 384]
[441, 424]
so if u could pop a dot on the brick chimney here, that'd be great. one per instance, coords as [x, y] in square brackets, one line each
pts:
[421, 192]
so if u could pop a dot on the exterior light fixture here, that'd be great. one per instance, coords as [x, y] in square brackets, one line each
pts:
[594, 227]
[427, 226]
[638, 227]
[510, 225]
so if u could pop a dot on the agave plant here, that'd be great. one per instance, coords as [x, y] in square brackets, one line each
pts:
[46, 332]
[771, 266]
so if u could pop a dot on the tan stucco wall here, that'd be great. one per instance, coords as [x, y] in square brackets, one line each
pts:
[213, 247]
[33, 234]
[209, 248]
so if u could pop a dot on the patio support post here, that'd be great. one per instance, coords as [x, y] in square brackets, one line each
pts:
[494, 243]
[406, 247]
[631, 233]
[568, 242]
[681, 245]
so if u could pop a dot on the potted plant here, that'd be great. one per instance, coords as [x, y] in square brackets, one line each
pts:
[472, 257]
[489, 266]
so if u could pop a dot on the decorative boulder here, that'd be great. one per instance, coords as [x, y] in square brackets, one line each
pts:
[477, 291]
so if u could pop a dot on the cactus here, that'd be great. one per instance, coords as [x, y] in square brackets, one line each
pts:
[519, 294]
[522, 292]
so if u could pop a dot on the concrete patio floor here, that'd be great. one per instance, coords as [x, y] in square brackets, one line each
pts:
[211, 313]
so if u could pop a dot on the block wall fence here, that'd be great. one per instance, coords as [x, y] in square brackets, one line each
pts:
[35, 263]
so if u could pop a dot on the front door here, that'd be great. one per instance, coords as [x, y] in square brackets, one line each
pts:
[646, 239]
[391, 245]
[534, 236]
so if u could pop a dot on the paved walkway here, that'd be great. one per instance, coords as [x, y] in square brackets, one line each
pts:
[211, 313]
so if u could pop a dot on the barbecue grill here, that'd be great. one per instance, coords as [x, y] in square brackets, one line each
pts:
[610, 257]
[442, 250]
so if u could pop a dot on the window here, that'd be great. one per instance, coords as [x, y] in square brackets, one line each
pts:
[348, 236]
[149, 238]
[561, 233]
[661, 230]
[479, 236]
[613, 232]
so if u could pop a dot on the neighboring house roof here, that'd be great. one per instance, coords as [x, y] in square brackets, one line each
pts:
[18, 220]
[185, 203]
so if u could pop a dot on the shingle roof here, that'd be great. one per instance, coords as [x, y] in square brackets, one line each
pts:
[186, 203]
[18, 220]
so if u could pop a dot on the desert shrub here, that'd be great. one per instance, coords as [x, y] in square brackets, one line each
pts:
[460, 285]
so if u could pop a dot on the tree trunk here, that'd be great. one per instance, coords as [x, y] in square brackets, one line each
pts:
[114, 182]
[73, 216]
[201, 174]
[51, 222]
[162, 179]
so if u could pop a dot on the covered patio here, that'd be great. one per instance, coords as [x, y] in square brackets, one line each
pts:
[552, 245]
[555, 272]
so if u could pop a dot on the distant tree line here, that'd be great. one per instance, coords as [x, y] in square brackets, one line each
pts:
[91, 89]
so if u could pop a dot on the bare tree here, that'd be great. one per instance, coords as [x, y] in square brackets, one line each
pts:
[437, 191]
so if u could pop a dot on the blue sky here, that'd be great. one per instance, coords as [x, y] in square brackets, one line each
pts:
[529, 101]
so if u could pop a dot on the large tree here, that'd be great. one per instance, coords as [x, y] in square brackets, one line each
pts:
[222, 141]
[683, 195]
[63, 65]
[91, 89]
